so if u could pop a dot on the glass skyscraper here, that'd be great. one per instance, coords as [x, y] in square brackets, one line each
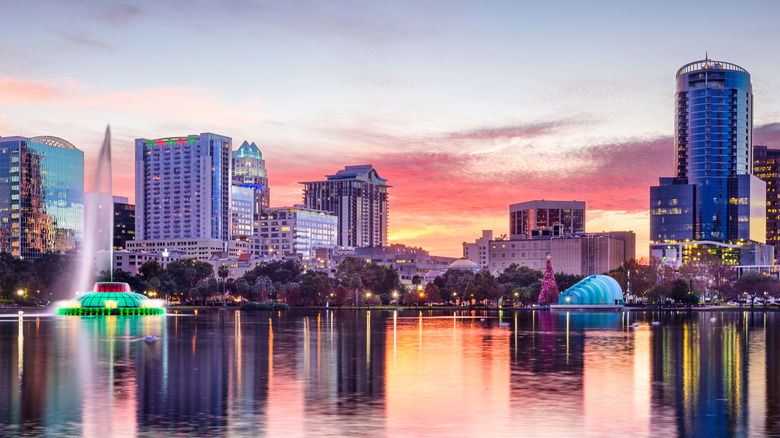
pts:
[41, 196]
[714, 204]
[766, 165]
[249, 172]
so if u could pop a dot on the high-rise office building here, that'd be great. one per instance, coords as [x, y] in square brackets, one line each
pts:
[243, 203]
[182, 187]
[249, 172]
[542, 218]
[766, 166]
[713, 206]
[124, 221]
[357, 195]
[41, 196]
[294, 233]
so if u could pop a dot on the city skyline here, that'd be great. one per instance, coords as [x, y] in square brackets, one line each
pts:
[464, 108]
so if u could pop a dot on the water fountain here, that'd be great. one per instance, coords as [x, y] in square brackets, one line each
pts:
[106, 298]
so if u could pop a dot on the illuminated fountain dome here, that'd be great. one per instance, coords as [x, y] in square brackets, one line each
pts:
[593, 292]
[112, 299]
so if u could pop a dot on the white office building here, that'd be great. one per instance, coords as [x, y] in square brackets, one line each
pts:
[294, 233]
[182, 187]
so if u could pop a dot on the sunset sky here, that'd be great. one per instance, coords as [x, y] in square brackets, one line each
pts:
[464, 106]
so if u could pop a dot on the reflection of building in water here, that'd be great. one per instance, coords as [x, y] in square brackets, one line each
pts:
[188, 383]
[580, 373]
[699, 369]
[772, 374]
[545, 358]
[442, 370]
[25, 384]
[341, 361]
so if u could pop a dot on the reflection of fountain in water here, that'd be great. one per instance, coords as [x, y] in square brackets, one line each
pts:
[98, 222]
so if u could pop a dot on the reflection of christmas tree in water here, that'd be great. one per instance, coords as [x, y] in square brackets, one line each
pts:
[549, 293]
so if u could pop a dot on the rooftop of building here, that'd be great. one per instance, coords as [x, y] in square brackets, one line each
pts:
[395, 248]
[463, 263]
[709, 64]
[53, 142]
[248, 151]
[296, 208]
[181, 139]
[46, 140]
[544, 203]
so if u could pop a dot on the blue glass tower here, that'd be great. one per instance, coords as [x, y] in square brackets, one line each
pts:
[714, 197]
[41, 196]
[249, 171]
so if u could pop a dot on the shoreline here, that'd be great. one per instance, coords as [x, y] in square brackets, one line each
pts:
[191, 309]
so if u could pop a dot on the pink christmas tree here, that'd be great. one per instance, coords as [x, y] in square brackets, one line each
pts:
[549, 293]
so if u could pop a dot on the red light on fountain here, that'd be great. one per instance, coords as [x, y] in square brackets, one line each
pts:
[112, 287]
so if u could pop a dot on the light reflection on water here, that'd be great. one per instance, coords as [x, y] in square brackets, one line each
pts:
[385, 373]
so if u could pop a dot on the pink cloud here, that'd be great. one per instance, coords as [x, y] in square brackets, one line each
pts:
[14, 91]
[440, 199]
[194, 104]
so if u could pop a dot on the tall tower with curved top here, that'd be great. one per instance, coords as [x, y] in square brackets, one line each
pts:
[714, 121]
[713, 206]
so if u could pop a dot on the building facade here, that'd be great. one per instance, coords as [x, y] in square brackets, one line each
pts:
[766, 166]
[478, 251]
[41, 196]
[578, 254]
[199, 249]
[542, 218]
[294, 233]
[131, 261]
[249, 172]
[714, 197]
[357, 195]
[242, 212]
[182, 187]
[124, 222]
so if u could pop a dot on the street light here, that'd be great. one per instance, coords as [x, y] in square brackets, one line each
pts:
[20, 292]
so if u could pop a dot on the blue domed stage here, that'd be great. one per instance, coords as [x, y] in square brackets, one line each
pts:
[596, 292]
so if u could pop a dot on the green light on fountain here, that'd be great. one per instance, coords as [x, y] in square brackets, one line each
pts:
[111, 299]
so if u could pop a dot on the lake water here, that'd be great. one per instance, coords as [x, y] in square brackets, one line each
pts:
[386, 373]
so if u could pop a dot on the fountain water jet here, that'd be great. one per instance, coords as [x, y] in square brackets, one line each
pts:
[107, 298]
[98, 222]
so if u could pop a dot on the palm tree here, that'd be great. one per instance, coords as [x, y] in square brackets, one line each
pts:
[355, 282]
[223, 272]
